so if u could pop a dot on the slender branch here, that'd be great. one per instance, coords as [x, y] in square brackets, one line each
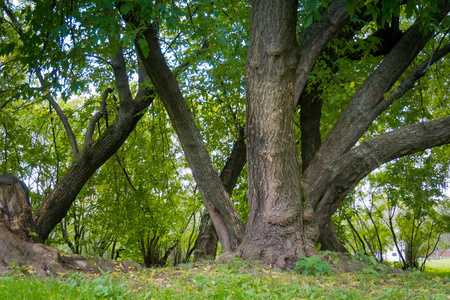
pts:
[409, 82]
[181, 67]
[98, 115]
[355, 232]
[54, 143]
[120, 73]
[125, 172]
[47, 95]
[5, 103]
[59, 112]
[66, 237]
[432, 251]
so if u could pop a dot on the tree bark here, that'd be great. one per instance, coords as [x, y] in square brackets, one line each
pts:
[15, 208]
[16, 246]
[206, 243]
[226, 219]
[279, 225]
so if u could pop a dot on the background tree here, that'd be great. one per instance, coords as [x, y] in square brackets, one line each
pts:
[404, 210]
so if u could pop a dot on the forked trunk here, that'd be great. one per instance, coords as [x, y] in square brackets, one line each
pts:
[281, 223]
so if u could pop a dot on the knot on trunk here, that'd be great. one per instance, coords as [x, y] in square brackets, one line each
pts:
[15, 207]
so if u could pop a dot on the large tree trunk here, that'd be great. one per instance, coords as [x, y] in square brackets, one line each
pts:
[280, 224]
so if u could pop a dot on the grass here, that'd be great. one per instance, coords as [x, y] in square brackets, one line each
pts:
[439, 267]
[232, 281]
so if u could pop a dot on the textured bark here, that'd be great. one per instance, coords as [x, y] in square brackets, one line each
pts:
[277, 229]
[18, 255]
[310, 112]
[206, 243]
[15, 208]
[226, 219]
[17, 252]
[56, 205]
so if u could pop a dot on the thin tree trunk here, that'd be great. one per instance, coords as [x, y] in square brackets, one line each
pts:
[206, 243]
[226, 219]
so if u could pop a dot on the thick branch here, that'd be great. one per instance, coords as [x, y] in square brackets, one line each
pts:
[368, 156]
[313, 40]
[225, 217]
[123, 88]
[206, 242]
[101, 112]
[55, 206]
[366, 105]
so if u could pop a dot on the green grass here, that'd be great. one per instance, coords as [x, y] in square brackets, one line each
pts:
[439, 267]
[233, 281]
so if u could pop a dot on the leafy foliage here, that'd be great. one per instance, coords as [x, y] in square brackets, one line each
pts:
[313, 265]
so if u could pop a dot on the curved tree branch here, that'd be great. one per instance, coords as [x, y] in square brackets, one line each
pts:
[123, 88]
[101, 112]
[360, 161]
[59, 112]
[52, 101]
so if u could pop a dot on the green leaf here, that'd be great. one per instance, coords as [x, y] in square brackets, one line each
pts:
[125, 9]
[144, 46]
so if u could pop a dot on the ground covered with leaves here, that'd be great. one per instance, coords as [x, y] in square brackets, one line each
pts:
[235, 280]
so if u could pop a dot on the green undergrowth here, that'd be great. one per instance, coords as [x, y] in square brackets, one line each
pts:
[439, 267]
[236, 280]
